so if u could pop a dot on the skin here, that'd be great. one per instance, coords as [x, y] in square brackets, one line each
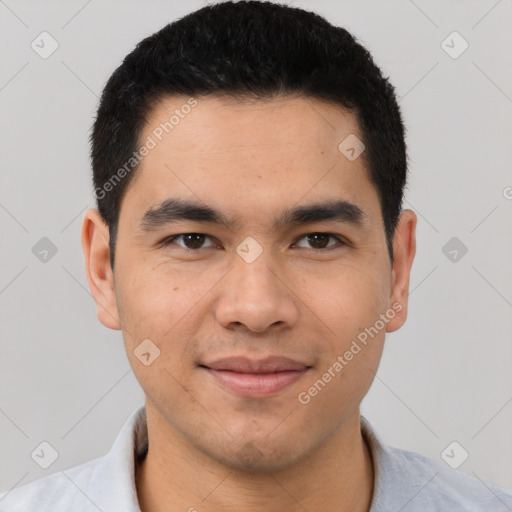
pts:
[251, 160]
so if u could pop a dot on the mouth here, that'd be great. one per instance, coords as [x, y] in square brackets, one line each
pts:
[256, 378]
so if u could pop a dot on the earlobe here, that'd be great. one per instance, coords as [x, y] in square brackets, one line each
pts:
[95, 238]
[404, 250]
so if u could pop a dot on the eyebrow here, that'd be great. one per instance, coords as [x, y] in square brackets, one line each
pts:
[174, 210]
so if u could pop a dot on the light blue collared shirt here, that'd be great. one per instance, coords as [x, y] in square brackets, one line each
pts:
[404, 481]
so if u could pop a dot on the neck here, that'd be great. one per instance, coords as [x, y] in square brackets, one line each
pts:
[175, 477]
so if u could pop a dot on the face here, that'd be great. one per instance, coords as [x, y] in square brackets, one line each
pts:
[251, 254]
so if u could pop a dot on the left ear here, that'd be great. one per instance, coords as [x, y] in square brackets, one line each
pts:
[404, 250]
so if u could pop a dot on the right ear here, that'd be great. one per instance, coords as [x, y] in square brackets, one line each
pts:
[95, 239]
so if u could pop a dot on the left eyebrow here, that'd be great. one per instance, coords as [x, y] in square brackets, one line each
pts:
[174, 210]
[338, 210]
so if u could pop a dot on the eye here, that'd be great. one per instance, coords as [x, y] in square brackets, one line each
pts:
[319, 241]
[192, 241]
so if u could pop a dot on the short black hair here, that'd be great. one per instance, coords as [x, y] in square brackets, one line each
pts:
[247, 49]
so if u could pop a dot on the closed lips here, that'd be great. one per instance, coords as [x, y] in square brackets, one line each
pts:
[245, 365]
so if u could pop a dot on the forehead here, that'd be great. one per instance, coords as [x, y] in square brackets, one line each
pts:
[218, 122]
[226, 151]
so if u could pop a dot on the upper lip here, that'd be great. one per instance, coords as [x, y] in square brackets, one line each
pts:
[246, 365]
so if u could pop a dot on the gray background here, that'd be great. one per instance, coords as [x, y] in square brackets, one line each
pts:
[445, 376]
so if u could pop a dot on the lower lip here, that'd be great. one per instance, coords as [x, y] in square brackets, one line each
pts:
[256, 384]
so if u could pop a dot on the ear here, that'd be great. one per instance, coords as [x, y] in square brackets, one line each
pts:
[404, 250]
[95, 238]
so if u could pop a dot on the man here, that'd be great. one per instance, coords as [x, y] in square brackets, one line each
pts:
[249, 165]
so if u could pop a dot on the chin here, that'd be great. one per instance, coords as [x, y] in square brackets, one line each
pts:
[261, 456]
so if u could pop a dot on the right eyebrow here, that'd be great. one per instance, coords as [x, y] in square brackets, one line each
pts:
[174, 210]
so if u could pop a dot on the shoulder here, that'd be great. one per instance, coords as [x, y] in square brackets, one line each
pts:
[411, 482]
[63, 490]
[440, 487]
[106, 483]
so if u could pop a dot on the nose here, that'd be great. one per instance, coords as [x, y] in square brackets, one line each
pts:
[255, 297]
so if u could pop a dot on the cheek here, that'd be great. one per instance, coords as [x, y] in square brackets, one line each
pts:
[156, 317]
[347, 369]
[357, 314]
[347, 298]
[148, 295]
[163, 306]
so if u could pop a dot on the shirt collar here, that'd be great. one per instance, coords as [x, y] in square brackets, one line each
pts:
[130, 446]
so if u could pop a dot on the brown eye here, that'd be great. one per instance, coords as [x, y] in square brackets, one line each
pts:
[320, 241]
[191, 241]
